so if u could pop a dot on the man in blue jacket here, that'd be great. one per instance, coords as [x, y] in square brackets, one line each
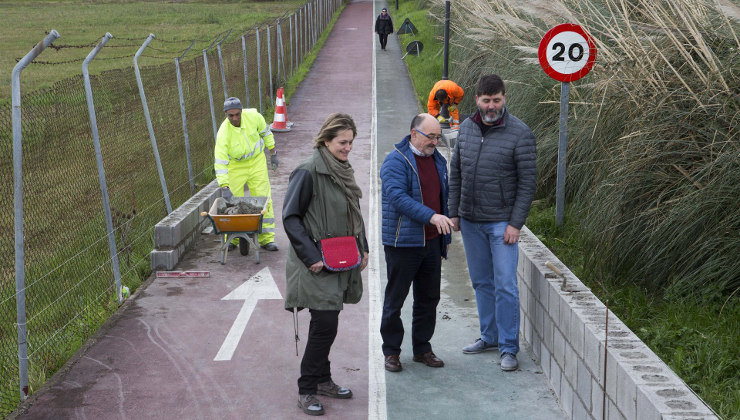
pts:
[416, 233]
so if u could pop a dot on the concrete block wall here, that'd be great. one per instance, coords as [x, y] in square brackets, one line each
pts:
[174, 234]
[565, 324]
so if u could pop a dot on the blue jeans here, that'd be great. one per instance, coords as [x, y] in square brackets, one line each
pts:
[492, 267]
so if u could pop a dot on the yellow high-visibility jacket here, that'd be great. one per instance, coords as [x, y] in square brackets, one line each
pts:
[240, 159]
[239, 149]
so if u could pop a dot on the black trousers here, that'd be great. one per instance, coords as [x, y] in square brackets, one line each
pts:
[421, 266]
[383, 40]
[315, 367]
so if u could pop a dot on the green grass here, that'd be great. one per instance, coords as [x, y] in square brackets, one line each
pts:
[426, 69]
[82, 23]
[697, 337]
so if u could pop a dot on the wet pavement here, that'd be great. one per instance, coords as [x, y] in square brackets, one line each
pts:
[222, 347]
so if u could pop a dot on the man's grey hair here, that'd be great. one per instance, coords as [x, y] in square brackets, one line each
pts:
[417, 121]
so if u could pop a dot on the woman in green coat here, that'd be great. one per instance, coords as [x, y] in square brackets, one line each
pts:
[322, 200]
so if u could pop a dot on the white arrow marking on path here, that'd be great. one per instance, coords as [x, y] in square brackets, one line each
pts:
[259, 286]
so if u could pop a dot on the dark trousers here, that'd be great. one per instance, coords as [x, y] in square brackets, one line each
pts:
[422, 267]
[315, 368]
[383, 40]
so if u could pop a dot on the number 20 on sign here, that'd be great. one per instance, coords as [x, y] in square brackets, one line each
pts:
[566, 53]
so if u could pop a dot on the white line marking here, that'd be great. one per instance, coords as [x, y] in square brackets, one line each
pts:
[259, 286]
[376, 409]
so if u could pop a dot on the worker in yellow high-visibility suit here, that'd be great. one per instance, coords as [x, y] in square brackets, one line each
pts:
[445, 92]
[240, 159]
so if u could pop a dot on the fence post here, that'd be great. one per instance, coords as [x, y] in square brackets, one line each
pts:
[246, 79]
[259, 67]
[210, 94]
[223, 72]
[149, 122]
[292, 49]
[101, 169]
[20, 257]
[303, 32]
[184, 120]
[278, 54]
[269, 61]
[310, 26]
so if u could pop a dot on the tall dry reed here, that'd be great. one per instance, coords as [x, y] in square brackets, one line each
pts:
[653, 139]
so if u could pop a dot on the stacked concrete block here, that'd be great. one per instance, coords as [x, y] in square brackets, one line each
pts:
[566, 327]
[174, 234]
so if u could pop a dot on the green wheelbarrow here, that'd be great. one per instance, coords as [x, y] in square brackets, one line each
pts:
[246, 227]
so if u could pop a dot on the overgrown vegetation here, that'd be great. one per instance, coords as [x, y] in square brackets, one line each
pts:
[653, 160]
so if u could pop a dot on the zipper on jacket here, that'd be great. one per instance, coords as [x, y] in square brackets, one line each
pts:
[475, 174]
[398, 231]
[418, 179]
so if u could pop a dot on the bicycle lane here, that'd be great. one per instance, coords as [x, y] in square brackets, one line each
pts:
[155, 356]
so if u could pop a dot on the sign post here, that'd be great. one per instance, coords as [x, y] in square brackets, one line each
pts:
[566, 53]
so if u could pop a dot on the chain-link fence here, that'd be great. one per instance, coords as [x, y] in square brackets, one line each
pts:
[66, 286]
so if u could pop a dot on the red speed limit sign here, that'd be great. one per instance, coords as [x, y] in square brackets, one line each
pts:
[567, 52]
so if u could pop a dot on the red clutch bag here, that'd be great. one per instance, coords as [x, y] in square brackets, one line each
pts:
[340, 254]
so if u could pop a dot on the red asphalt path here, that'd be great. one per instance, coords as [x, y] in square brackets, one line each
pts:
[155, 357]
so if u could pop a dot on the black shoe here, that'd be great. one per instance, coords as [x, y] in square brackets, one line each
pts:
[272, 246]
[243, 246]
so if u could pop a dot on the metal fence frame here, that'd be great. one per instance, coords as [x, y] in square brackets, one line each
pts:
[304, 27]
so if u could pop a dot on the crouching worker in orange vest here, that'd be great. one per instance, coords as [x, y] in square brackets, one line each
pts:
[446, 92]
[240, 159]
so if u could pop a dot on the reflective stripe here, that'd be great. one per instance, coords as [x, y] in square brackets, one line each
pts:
[222, 171]
[266, 132]
[270, 220]
[257, 150]
[268, 230]
[222, 162]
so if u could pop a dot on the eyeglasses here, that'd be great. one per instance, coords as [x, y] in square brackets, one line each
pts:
[432, 137]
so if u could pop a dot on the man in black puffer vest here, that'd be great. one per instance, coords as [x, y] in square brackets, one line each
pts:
[493, 176]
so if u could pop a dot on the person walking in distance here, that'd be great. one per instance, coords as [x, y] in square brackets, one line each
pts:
[416, 234]
[383, 27]
[493, 176]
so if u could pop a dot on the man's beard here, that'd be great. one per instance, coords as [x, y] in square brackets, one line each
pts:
[491, 117]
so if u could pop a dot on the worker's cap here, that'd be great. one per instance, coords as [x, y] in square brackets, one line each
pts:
[232, 103]
[384, 10]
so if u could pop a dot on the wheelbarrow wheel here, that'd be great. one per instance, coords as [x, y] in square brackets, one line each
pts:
[243, 246]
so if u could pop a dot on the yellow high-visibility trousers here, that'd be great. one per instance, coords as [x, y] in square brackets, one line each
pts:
[253, 173]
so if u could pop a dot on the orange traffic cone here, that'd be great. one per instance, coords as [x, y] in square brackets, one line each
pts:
[280, 121]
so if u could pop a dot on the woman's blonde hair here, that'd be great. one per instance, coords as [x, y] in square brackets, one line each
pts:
[333, 125]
